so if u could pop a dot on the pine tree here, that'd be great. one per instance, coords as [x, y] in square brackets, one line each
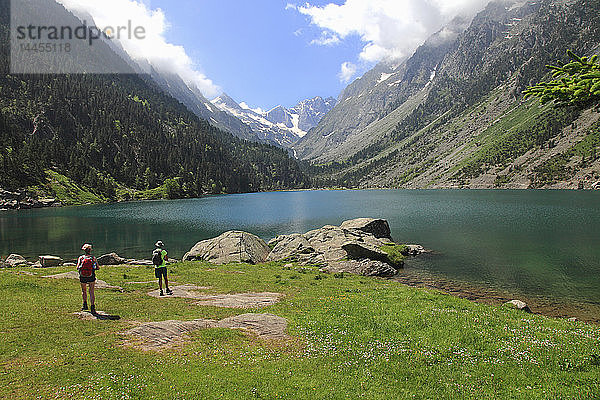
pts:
[575, 83]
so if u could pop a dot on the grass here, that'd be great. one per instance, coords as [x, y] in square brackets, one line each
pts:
[69, 193]
[516, 133]
[66, 191]
[395, 253]
[353, 337]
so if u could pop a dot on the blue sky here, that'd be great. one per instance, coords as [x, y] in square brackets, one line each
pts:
[271, 52]
[257, 51]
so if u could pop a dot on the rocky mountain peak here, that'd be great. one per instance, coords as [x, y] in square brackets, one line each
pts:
[280, 115]
[226, 101]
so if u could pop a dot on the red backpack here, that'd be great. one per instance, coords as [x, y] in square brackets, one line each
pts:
[88, 263]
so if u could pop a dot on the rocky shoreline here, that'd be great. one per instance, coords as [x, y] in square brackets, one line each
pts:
[361, 246]
[585, 312]
[49, 261]
[24, 201]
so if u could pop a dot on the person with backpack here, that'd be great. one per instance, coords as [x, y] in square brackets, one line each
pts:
[87, 265]
[159, 259]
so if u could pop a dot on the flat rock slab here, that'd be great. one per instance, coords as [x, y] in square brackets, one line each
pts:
[164, 334]
[100, 284]
[99, 315]
[139, 263]
[183, 291]
[238, 300]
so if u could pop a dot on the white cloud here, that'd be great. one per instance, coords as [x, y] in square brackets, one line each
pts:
[347, 72]
[327, 39]
[155, 49]
[389, 29]
[257, 110]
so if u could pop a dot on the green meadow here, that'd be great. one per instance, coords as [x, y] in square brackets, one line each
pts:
[350, 337]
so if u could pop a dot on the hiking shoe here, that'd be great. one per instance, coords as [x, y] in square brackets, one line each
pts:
[169, 292]
[161, 293]
[84, 307]
[93, 309]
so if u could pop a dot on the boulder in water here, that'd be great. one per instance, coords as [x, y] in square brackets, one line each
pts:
[413, 250]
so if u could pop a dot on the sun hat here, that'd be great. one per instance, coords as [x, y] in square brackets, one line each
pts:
[160, 244]
[86, 247]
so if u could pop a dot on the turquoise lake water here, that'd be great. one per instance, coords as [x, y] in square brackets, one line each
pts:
[540, 243]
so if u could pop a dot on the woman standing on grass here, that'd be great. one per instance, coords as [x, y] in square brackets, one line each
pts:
[87, 265]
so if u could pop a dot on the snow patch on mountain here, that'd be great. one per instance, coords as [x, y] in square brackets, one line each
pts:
[384, 77]
[279, 125]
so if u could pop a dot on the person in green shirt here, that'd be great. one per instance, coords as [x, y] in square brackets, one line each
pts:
[159, 259]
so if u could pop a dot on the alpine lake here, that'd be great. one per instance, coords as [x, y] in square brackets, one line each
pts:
[540, 245]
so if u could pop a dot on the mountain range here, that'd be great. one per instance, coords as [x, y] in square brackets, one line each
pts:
[453, 114]
[280, 126]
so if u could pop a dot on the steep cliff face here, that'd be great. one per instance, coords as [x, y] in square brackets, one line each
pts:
[457, 118]
[310, 112]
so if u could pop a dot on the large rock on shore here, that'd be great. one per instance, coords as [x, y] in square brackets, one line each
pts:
[362, 251]
[363, 267]
[353, 247]
[14, 260]
[376, 227]
[111, 259]
[288, 246]
[518, 305]
[233, 246]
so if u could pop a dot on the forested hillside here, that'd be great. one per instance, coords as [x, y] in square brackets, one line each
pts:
[117, 135]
